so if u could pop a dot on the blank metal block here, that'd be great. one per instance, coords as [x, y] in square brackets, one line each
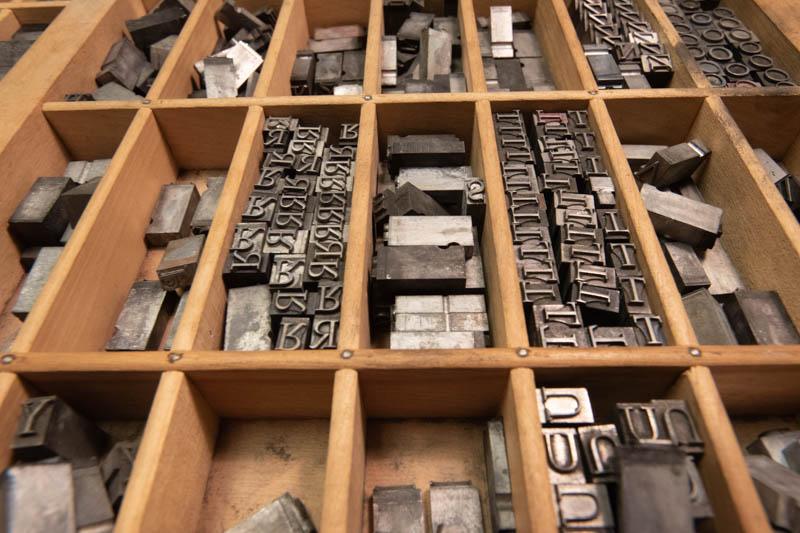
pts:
[686, 267]
[526, 44]
[425, 151]
[116, 468]
[498, 478]
[353, 66]
[605, 69]
[40, 219]
[584, 507]
[247, 320]
[682, 219]
[144, 316]
[431, 231]
[456, 506]
[114, 91]
[420, 268]
[708, 319]
[77, 198]
[38, 498]
[303, 69]
[207, 206]
[124, 65]
[435, 53]
[564, 406]
[759, 317]
[151, 28]
[673, 164]
[35, 281]
[537, 74]
[389, 61]
[219, 77]
[501, 32]
[286, 514]
[779, 490]
[179, 263]
[92, 506]
[414, 25]
[653, 494]
[328, 70]
[176, 321]
[160, 50]
[440, 340]
[721, 271]
[639, 154]
[792, 455]
[245, 61]
[172, 214]
[396, 509]
[510, 75]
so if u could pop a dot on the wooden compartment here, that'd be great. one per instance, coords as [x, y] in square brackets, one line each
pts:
[663, 297]
[16, 14]
[226, 445]
[294, 28]
[721, 467]
[54, 149]
[752, 235]
[108, 252]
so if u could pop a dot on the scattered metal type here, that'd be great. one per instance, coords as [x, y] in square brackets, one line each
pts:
[143, 319]
[787, 183]
[332, 63]
[729, 53]
[34, 282]
[621, 46]
[285, 514]
[779, 490]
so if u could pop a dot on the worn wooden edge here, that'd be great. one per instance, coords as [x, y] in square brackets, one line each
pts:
[203, 318]
[373, 57]
[574, 73]
[205, 361]
[195, 41]
[344, 470]
[503, 294]
[659, 279]
[289, 36]
[531, 492]
[727, 480]
[354, 329]
[12, 393]
[41, 12]
[8, 24]
[166, 487]
[471, 59]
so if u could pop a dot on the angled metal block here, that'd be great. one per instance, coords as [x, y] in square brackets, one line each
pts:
[686, 267]
[435, 53]
[419, 322]
[779, 490]
[114, 91]
[151, 28]
[328, 71]
[92, 506]
[455, 505]
[38, 498]
[207, 206]
[142, 321]
[673, 164]
[563, 456]
[431, 231]
[179, 263]
[773, 444]
[45, 261]
[172, 214]
[48, 427]
[123, 65]
[76, 199]
[564, 406]
[759, 317]
[176, 321]
[444, 150]
[247, 320]
[584, 507]
[682, 219]
[708, 319]
[498, 478]
[116, 468]
[40, 219]
[413, 26]
[286, 514]
[397, 509]
[245, 62]
[160, 50]
[219, 77]
[721, 271]
[303, 69]
[599, 445]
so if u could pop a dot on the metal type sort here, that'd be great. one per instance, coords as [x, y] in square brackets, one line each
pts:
[426, 282]
[719, 305]
[285, 267]
[787, 183]
[453, 505]
[69, 475]
[638, 473]
[421, 51]
[14, 48]
[285, 514]
[726, 50]
[623, 49]
[332, 63]
[580, 279]
[774, 464]
[512, 57]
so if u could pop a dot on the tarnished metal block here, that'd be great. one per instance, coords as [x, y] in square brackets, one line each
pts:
[563, 456]
[759, 317]
[219, 77]
[116, 468]
[649, 330]
[293, 333]
[324, 332]
[397, 509]
[245, 62]
[179, 263]
[721, 271]
[440, 340]
[435, 53]
[303, 69]
[207, 206]
[584, 507]
[92, 506]
[48, 427]
[172, 214]
[160, 50]
[176, 321]
[76, 199]
[151, 28]
[237, 18]
[510, 75]
[779, 490]
[248, 262]
[114, 91]
[673, 164]
[38, 498]
[353, 65]
[34, 282]
[339, 44]
[792, 455]
[562, 406]
[425, 151]
[141, 323]
[501, 32]
[640, 425]
[328, 71]
[599, 445]
[612, 336]
[456, 506]
[286, 514]
[124, 65]
[682, 219]
[498, 478]
[653, 491]
[773, 444]
[420, 268]
[414, 25]
[431, 231]
[40, 219]
[389, 61]
[247, 320]
[686, 267]
[605, 69]
[701, 506]
[708, 319]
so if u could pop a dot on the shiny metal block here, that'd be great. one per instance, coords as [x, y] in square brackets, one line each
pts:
[686, 267]
[498, 478]
[563, 456]
[414, 25]
[141, 322]
[389, 61]
[440, 340]
[328, 70]
[708, 319]
[649, 330]
[640, 425]
[286, 514]
[673, 164]
[38, 498]
[759, 317]
[599, 445]
[92, 506]
[160, 50]
[501, 32]
[779, 490]
[35, 281]
[247, 320]
[179, 263]
[123, 65]
[40, 219]
[583, 507]
[397, 509]
[562, 406]
[172, 214]
[236, 18]
[682, 219]
[339, 44]
[435, 53]
[245, 62]
[431, 231]
[721, 271]
[455, 506]
[219, 77]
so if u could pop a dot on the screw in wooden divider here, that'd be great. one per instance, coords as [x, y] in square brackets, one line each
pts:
[695, 352]
[7, 359]
[347, 354]
[522, 352]
[174, 357]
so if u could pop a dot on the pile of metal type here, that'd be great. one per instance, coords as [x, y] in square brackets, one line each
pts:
[421, 52]
[68, 474]
[285, 267]
[427, 284]
[581, 282]
[774, 463]
[623, 49]
[14, 48]
[721, 308]
[646, 463]
[178, 224]
[512, 56]
[44, 220]
[333, 63]
[728, 52]
[132, 64]
[233, 68]
[787, 183]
